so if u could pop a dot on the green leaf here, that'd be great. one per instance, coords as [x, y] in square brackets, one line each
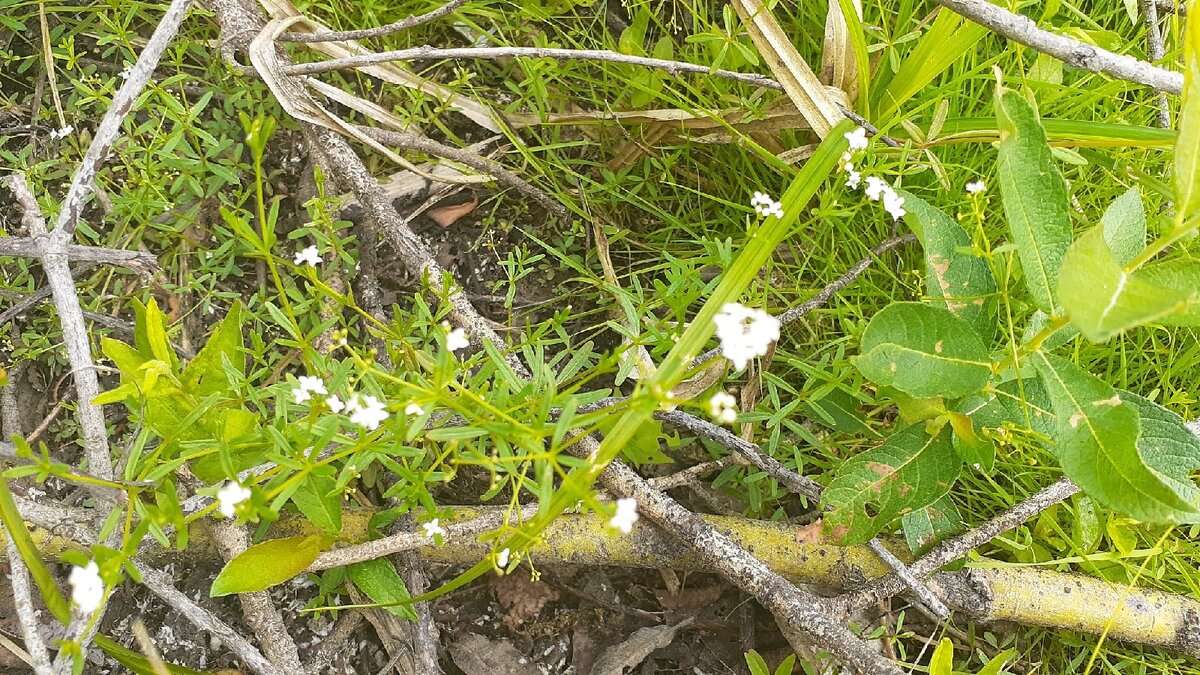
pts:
[1097, 434]
[1034, 196]
[321, 502]
[1181, 276]
[1124, 225]
[1103, 300]
[205, 375]
[263, 565]
[14, 526]
[911, 470]
[948, 39]
[1023, 404]
[942, 661]
[996, 664]
[378, 580]
[926, 526]
[923, 351]
[960, 282]
[1167, 446]
[136, 662]
[150, 333]
[1187, 143]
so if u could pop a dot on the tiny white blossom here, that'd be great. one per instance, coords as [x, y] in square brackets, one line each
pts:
[625, 516]
[853, 178]
[432, 528]
[367, 411]
[857, 138]
[229, 496]
[335, 404]
[456, 338]
[414, 408]
[502, 558]
[59, 134]
[744, 333]
[308, 385]
[975, 187]
[723, 407]
[87, 588]
[310, 256]
[126, 72]
[893, 203]
[875, 188]
[765, 206]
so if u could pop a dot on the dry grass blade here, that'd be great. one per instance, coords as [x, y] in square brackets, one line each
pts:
[839, 67]
[811, 98]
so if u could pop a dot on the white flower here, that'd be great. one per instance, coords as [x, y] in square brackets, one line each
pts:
[875, 188]
[893, 203]
[744, 333]
[58, 134]
[309, 255]
[975, 187]
[87, 588]
[335, 404]
[765, 206]
[308, 385]
[126, 72]
[853, 178]
[367, 411]
[857, 138]
[432, 528]
[229, 496]
[502, 558]
[723, 407]
[456, 339]
[414, 408]
[625, 516]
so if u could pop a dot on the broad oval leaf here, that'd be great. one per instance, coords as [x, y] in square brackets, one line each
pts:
[1103, 300]
[1097, 444]
[911, 470]
[263, 565]
[1124, 225]
[924, 351]
[380, 582]
[1167, 446]
[1187, 143]
[960, 282]
[1034, 196]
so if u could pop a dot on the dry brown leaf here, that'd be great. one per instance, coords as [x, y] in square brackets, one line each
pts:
[813, 533]
[447, 215]
[476, 655]
[636, 648]
[521, 598]
[690, 598]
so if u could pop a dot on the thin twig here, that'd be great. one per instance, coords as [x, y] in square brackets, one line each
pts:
[23, 601]
[34, 247]
[926, 597]
[1154, 50]
[1169, 7]
[1074, 53]
[378, 31]
[160, 584]
[952, 549]
[689, 475]
[335, 643]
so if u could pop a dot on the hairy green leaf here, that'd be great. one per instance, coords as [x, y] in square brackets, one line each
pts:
[1034, 196]
[924, 351]
[1097, 434]
[1124, 225]
[1102, 299]
[263, 565]
[205, 375]
[379, 581]
[960, 282]
[909, 471]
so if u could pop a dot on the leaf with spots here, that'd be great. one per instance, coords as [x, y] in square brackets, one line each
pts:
[910, 471]
[954, 278]
[928, 525]
[1034, 195]
[1096, 438]
[924, 351]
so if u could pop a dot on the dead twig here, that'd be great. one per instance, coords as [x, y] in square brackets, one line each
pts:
[1154, 50]
[378, 31]
[35, 247]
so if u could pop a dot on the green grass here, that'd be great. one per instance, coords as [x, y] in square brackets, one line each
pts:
[668, 214]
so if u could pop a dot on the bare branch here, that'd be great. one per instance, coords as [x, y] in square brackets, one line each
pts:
[1154, 50]
[378, 31]
[1074, 53]
[35, 247]
[19, 575]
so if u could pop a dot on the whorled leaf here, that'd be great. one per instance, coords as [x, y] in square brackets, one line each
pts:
[911, 470]
[1034, 195]
[923, 351]
[958, 281]
[1103, 300]
[1096, 441]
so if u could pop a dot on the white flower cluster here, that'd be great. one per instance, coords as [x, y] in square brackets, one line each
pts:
[308, 385]
[456, 338]
[765, 206]
[876, 188]
[308, 256]
[625, 516]
[367, 411]
[723, 407]
[87, 588]
[59, 134]
[975, 187]
[744, 333]
[229, 496]
[502, 558]
[432, 529]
